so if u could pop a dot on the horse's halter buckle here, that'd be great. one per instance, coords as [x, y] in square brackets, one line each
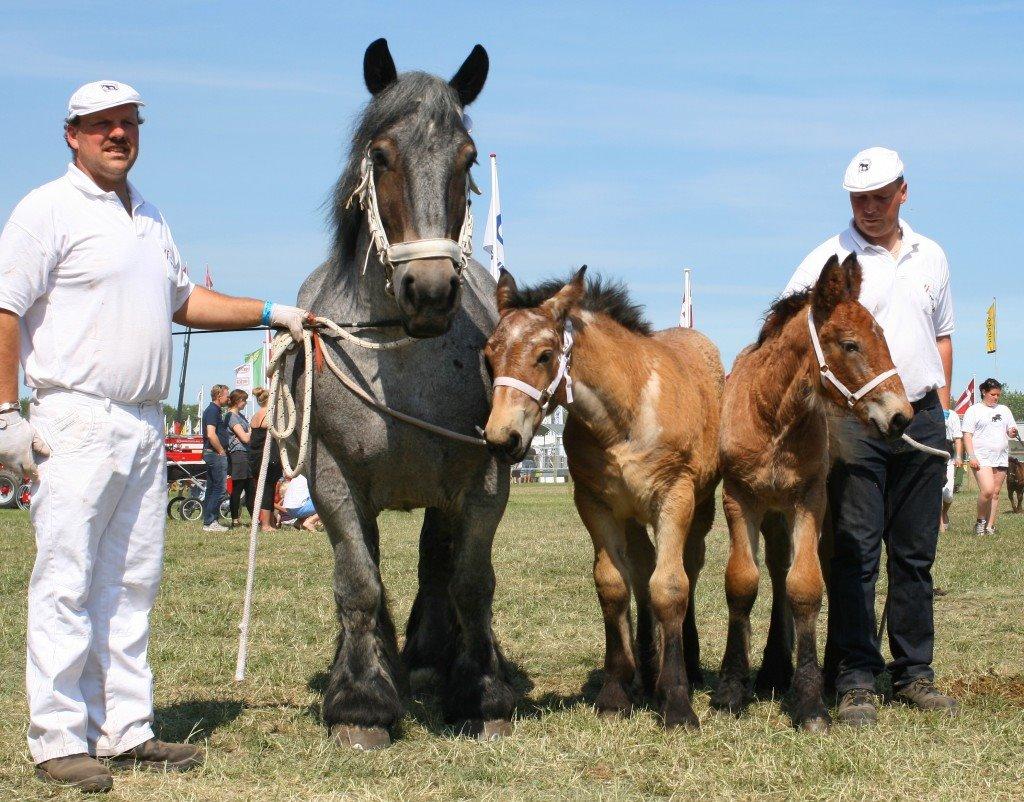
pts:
[543, 397]
[390, 255]
[829, 376]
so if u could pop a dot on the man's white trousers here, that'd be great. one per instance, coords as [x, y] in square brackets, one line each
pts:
[99, 516]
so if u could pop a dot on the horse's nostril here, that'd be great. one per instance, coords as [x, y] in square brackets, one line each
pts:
[513, 443]
[899, 423]
[407, 289]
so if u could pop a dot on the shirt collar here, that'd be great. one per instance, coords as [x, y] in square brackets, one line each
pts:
[910, 238]
[86, 185]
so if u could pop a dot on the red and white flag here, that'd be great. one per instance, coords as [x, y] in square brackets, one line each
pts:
[966, 400]
[209, 279]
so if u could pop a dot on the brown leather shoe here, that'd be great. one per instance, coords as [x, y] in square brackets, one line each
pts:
[922, 694]
[78, 771]
[154, 755]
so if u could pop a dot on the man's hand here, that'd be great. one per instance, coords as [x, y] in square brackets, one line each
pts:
[16, 438]
[288, 317]
[974, 463]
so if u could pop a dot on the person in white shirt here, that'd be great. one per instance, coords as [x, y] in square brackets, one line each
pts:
[954, 442]
[988, 427]
[881, 491]
[298, 504]
[90, 280]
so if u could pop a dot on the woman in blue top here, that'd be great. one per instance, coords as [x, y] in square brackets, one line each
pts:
[238, 454]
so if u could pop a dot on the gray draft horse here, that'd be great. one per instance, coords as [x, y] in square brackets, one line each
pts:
[414, 138]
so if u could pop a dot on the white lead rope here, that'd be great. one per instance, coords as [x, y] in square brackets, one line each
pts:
[282, 422]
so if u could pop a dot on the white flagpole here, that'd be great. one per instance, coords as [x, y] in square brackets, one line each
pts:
[686, 309]
[494, 237]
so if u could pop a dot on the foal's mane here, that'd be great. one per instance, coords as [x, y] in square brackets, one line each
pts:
[779, 314]
[424, 98]
[604, 296]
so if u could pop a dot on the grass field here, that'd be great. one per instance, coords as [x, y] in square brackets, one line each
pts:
[265, 740]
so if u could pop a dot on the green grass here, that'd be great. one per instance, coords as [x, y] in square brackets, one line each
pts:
[265, 740]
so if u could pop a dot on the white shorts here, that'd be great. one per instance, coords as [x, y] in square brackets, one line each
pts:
[991, 458]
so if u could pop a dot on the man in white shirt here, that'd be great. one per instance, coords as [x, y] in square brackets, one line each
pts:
[90, 280]
[880, 491]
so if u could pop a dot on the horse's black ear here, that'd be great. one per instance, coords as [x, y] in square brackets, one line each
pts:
[378, 67]
[470, 78]
[507, 292]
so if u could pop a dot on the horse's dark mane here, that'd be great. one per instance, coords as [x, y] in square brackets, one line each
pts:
[609, 297]
[426, 99]
[779, 313]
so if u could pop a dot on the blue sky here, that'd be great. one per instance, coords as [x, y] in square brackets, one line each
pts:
[637, 138]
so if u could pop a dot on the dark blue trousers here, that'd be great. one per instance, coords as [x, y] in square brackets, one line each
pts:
[216, 485]
[885, 492]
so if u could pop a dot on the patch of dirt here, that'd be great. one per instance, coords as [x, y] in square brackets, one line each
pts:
[1008, 689]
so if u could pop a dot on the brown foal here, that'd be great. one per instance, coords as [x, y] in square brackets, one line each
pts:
[775, 456]
[642, 445]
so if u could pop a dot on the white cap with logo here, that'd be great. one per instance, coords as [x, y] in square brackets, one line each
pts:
[872, 169]
[99, 96]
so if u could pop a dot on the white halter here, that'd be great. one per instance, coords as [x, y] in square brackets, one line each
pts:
[828, 375]
[392, 255]
[543, 397]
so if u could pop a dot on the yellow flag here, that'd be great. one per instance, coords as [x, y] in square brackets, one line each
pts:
[990, 329]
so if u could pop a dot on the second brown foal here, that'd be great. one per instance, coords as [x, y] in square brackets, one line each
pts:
[775, 456]
[642, 443]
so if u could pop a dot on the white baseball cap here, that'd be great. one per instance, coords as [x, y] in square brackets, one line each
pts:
[872, 169]
[101, 95]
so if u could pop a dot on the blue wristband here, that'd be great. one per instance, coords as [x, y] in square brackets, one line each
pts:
[267, 306]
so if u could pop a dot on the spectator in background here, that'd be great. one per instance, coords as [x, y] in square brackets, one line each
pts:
[955, 444]
[215, 455]
[257, 442]
[238, 455]
[298, 504]
[988, 427]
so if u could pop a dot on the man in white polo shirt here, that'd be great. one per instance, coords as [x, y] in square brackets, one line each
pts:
[90, 280]
[880, 490]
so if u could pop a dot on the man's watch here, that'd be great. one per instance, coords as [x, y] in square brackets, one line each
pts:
[10, 406]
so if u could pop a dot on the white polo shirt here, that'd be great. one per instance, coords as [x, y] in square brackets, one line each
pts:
[910, 298]
[95, 290]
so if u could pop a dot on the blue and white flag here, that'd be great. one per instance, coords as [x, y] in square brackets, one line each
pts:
[494, 241]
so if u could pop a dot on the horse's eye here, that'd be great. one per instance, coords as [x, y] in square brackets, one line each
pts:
[379, 158]
[850, 346]
[545, 357]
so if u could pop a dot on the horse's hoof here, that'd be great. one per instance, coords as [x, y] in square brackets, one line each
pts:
[361, 738]
[612, 701]
[677, 712]
[818, 725]
[495, 729]
[730, 697]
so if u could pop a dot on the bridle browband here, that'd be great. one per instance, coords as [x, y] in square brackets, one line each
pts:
[543, 397]
[829, 376]
[393, 255]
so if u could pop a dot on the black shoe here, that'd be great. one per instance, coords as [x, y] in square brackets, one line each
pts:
[858, 708]
[922, 694]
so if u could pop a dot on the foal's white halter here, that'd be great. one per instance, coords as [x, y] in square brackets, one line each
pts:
[543, 397]
[393, 255]
[828, 375]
